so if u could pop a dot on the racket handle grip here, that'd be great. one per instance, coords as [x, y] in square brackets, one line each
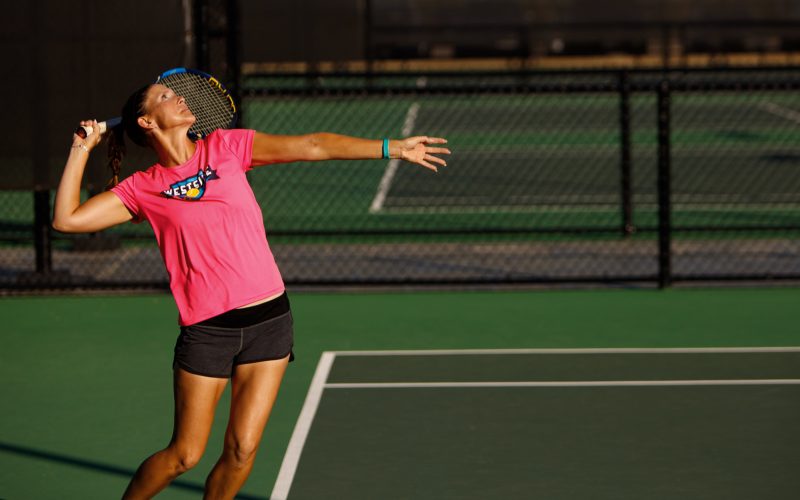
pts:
[82, 131]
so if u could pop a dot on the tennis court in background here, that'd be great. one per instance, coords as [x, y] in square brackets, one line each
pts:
[555, 424]
[532, 161]
[532, 193]
[536, 162]
[539, 162]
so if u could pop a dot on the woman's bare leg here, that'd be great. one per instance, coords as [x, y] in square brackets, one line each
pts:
[254, 387]
[196, 398]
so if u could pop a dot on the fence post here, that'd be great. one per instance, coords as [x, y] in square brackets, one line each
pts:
[664, 202]
[41, 146]
[41, 231]
[625, 154]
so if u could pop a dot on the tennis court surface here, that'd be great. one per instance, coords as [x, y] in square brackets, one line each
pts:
[702, 423]
[88, 395]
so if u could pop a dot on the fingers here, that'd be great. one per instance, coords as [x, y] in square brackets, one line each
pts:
[94, 137]
[442, 151]
[428, 161]
[424, 139]
[435, 159]
[417, 150]
[90, 123]
[85, 128]
[428, 165]
[90, 136]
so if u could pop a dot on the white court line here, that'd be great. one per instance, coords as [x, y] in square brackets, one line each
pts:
[625, 350]
[782, 111]
[582, 204]
[597, 207]
[292, 457]
[290, 460]
[391, 168]
[571, 383]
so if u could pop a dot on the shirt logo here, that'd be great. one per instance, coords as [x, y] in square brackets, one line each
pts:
[192, 188]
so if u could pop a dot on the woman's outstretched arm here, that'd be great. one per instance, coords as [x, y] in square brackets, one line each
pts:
[269, 148]
[98, 212]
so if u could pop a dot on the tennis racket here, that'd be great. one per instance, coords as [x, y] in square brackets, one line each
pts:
[209, 101]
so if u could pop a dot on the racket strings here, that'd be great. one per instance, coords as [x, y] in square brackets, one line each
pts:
[202, 97]
[209, 104]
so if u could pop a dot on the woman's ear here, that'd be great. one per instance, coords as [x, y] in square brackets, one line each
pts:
[145, 122]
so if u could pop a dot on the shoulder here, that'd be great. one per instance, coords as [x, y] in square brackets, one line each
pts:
[237, 141]
[230, 136]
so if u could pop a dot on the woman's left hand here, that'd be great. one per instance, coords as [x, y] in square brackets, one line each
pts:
[419, 150]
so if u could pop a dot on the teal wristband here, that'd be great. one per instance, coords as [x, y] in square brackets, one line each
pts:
[385, 149]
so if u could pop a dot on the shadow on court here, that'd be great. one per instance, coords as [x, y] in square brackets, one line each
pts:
[98, 466]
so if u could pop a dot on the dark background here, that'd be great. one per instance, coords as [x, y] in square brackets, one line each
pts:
[70, 60]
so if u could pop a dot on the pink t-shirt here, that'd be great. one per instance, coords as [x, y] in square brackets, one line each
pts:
[209, 227]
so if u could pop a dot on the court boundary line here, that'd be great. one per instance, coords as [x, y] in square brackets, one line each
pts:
[602, 207]
[569, 205]
[780, 111]
[291, 458]
[298, 440]
[572, 383]
[391, 168]
[591, 350]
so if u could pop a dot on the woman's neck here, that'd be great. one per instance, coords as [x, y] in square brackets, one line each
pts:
[174, 149]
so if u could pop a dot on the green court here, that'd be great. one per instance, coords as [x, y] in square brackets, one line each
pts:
[87, 395]
[550, 423]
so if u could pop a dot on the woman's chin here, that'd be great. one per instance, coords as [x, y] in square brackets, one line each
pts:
[187, 122]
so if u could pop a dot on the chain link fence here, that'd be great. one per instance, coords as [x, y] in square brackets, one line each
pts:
[555, 177]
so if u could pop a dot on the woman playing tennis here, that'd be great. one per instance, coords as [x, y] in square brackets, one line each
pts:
[234, 316]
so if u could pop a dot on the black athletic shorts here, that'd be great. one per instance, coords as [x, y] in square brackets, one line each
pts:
[214, 347]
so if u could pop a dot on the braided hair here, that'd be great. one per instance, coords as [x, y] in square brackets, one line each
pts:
[133, 109]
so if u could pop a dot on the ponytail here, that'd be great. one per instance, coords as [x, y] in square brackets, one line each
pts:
[116, 152]
[133, 109]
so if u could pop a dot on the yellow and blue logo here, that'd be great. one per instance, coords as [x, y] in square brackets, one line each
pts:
[192, 188]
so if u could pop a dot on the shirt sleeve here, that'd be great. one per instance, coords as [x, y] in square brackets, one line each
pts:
[126, 192]
[240, 143]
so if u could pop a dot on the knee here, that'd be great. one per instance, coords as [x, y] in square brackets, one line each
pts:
[243, 452]
[186, 458]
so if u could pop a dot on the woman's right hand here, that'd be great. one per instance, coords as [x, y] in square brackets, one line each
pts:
[91, 140]
[98, 212]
